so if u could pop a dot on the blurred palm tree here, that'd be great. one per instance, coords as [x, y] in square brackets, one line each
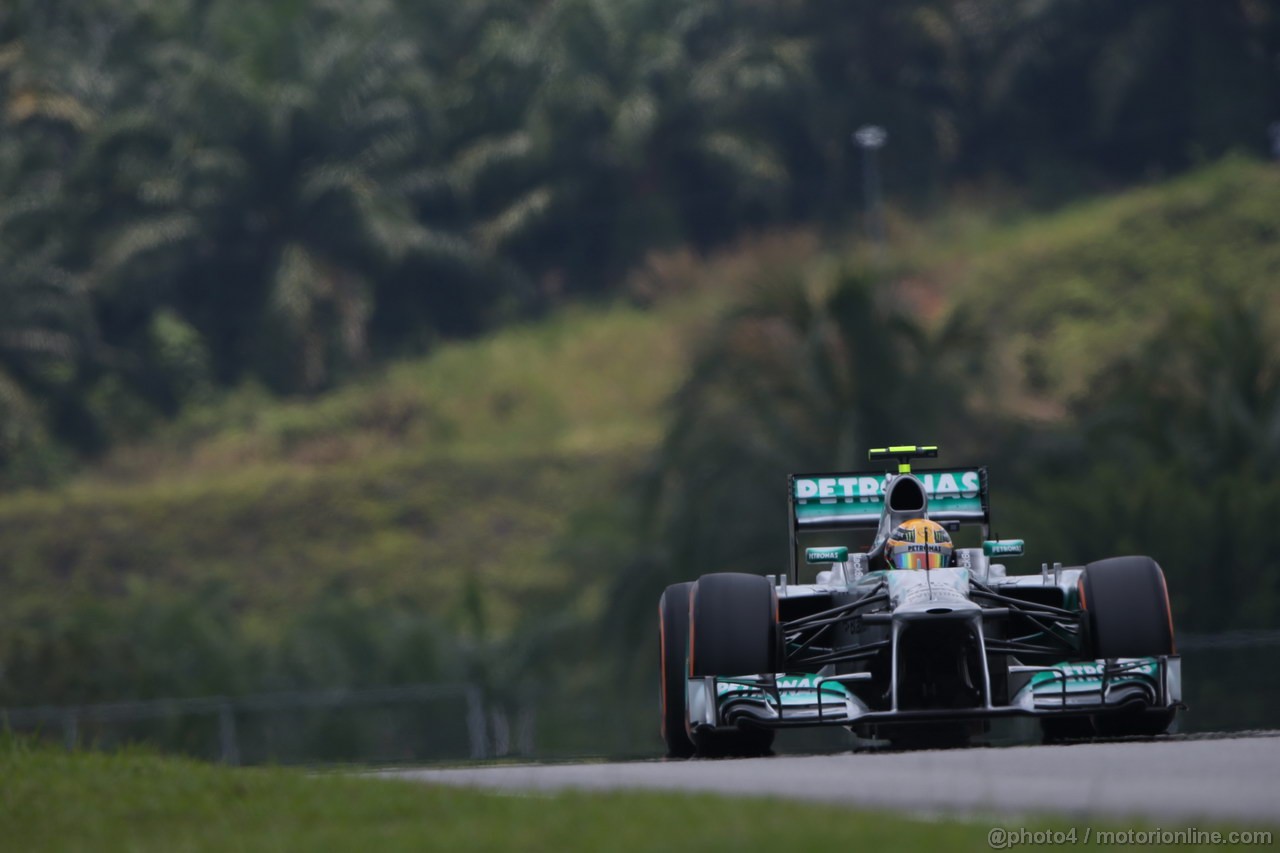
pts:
[208, 191]
[43, 336]
[640, 133]
[283, 190]
[1061, 89]
[45, 328]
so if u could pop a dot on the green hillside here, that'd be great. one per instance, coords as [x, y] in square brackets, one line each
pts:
[1065, 297]
[410, 487]
[469, 462]
[587, 381]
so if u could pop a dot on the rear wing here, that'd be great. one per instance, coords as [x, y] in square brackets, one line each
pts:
[855, 501]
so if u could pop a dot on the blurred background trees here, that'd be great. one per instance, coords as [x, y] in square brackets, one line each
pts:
[291, 198]
[200, 192]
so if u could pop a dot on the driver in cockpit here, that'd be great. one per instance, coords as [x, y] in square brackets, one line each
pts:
[919, 543]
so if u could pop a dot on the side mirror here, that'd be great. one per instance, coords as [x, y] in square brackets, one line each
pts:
[1003, 547]
[826, 555]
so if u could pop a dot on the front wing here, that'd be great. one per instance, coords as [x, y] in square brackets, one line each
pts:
[1065, 689]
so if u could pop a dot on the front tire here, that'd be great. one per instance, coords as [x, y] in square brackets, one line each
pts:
[733, 631]
[673, 644]
[1128, 608]
[733, 626]
[1127, 602]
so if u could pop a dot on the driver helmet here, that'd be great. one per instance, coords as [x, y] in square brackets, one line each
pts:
[919, 544]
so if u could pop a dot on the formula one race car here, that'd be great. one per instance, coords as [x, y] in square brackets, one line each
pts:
[904, 637]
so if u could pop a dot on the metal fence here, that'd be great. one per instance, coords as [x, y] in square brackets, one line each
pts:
[1229, 683]
[1246, 639]
[437, 721]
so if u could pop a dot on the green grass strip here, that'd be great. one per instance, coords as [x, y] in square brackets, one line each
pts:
[52, 800]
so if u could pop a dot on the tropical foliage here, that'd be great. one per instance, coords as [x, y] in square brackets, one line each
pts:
[196, 194]
[506, 510]
[278, 197]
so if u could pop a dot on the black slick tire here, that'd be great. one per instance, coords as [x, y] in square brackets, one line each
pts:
[673, 644]
[1128, 608]
[733, 632]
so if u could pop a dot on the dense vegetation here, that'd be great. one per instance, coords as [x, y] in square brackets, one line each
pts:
[297, 385]
[507, 510]
[204, 192]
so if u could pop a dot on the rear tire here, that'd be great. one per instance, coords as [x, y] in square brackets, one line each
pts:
[733, 631]
[673, 645]
[1128, 608]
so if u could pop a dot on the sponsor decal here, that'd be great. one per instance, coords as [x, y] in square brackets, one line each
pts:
[809, 682]
[826, 555]
[955, 494]
[1003, 547]
[870, 488]
[723, 687]
[785, 683]
[1088, 675]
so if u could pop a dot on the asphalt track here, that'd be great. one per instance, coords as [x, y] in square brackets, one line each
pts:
[1189, 778]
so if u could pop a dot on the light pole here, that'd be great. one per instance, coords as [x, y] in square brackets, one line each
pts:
[871, 138]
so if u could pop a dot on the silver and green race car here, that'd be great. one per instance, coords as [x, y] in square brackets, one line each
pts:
[912, 657]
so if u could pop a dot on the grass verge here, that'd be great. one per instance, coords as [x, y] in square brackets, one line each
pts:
[51, 800]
